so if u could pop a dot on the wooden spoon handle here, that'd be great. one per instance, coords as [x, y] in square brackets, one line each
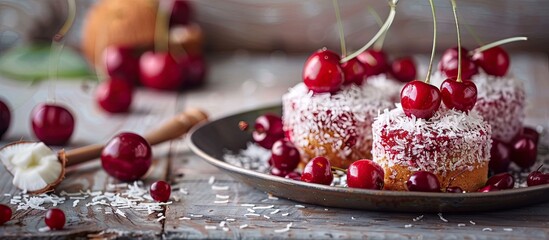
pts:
[173, 128]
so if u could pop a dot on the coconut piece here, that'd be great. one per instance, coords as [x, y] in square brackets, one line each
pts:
[35, 167]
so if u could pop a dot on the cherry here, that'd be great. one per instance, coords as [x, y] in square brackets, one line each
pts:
[537, 178]
[52, 124]
[501, 181]
[278, 172]
[404, 69]
[375, 61]
[500, 156]
[454, 190]
[196, 70]
[127, 156]
[365, 174]
[461, 96]
[5, 214]
[284, 155]
[114, 95]
[420, 99]
[293, 175]
[122, 63]
[318, 170]
[423, 181]
[268, 129]
[494, 61]
[160, 191]
[5, 118]
[181, 12]
[55, 219]
[354, 72]
[488, 188]
[449, 64]
[524, 151]
[532, 133]
[322, 72]
[161, 71]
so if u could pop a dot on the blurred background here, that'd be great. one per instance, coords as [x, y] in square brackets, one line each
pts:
[305, 25]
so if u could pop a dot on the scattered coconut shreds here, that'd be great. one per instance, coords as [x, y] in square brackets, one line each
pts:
[183, 191]
[222, 224]
[7, 195]
[474, 223]
[299, 206]
[119, 212]
[44, 229]
[250, 210]
[353, 218]
[247, 205]
[243, 226]
[417, 218]
[264, 207]
[275, 211]
[210, 227]
[211, 180]
[252, 215]
[285, 214]
[408, 226]
[75, 202]
[220, 188]
[267, 217]
[230, 219]
[184, 218]
[160, 218]
[486, 229]
[159, 214]
[225, 229]
[222, 196]
[442, 218]
[221, 201]
[287, 228]
[197, 215]
[461, 225]
[508, 229]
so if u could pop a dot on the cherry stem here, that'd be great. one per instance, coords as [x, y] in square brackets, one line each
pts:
[379, 43]
[430, 69]
[339, 169]
[454, 9]
[497, 43]
[381, 31]
[340, 28]
[539, 168]
[57, 45]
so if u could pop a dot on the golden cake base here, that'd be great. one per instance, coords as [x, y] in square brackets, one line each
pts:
[336, 160]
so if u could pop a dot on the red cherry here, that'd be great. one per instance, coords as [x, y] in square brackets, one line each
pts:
[423, 181]
[420, 99]
[55, 219]
[354, 72]
[375, 62]
[114, 95]
[160, 191]
[181, 12]
[494, 61]
[196, 70]
[122, 63]
[322, 72]
[488, 188]
[461, 96]
[284, 155]
[502, 181]
[161, 71]
[127, 157]
[532, 133]
[404, 69]
[537, 178]
[500, 156]
[293, 175]
[365, 174]
[524, 151]
[268, 129]
[5, 214]
[279, 172]
[52, 124]
[318, 170]
[449, 64]
[454, 190]
[5, 118]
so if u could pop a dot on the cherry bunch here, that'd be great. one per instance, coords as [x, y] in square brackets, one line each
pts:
[127, 66]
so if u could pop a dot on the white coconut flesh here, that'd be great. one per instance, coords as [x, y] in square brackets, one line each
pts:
[33, 165]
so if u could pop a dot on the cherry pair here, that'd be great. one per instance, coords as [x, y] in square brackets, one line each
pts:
[522, 150]
[494, 61]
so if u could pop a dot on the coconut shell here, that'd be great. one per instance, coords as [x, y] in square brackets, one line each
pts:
[50, 187]
[129, 23]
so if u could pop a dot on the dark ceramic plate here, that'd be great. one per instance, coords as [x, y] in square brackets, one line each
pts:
[211, 140]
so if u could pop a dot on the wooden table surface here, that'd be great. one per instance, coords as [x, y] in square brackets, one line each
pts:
[237, 82]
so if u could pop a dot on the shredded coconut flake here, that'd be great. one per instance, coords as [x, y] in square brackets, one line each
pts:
[408, 226]
[243, 226]
[442, 218]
